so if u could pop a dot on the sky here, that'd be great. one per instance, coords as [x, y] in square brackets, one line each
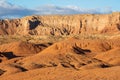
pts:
[21, 8]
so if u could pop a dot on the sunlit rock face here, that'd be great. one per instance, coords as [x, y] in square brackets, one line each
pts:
[62, 25]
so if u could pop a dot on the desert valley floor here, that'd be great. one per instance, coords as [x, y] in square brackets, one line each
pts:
[71, 58]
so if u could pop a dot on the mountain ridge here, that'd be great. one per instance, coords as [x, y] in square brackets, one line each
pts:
[62, 25]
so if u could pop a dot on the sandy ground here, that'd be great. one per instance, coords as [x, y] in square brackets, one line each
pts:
[68, 59]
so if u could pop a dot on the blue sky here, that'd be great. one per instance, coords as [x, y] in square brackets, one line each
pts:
[20, 8]
[114, 4]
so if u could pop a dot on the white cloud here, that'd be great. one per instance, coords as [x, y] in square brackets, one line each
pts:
[10, 10]
[51, 9]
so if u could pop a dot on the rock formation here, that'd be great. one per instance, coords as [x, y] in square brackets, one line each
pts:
[62, 25]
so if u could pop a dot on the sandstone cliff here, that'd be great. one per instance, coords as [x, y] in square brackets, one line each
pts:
[62, 25]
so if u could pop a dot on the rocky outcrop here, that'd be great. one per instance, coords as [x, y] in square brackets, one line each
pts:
[8, 26]
[62, 25]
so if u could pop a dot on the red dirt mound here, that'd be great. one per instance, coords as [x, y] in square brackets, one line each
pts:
[111, 57]
[21, 48]
[66, 53]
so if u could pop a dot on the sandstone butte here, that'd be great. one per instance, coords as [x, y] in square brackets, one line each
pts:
[71, 58]
[62, 25]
